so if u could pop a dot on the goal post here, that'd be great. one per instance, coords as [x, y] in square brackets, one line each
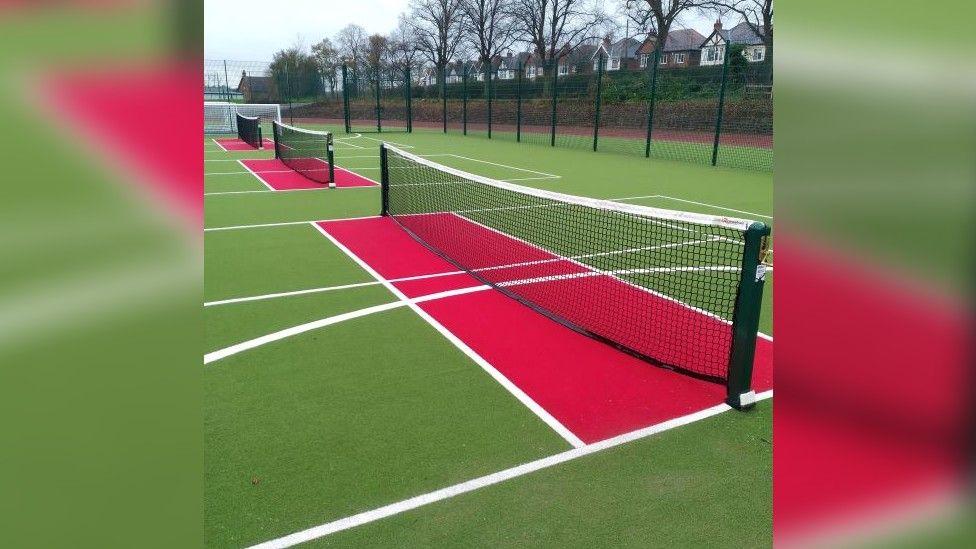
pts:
[220, 116]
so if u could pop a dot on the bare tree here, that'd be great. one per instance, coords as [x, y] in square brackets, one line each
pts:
[438, 26]
[402, 45]
[376, 52]
[758, 14]
[490, 27]
[327, 57]
[556, 27]
[353, 44]
[657, 16]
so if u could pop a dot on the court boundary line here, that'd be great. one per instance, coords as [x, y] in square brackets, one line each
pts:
[215, 142]
[491, 479]
[259, 178]
[285, 223]
[507, 384]
[504, 166]
[626, 198]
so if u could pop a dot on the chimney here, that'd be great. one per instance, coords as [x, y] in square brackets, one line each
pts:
[718, 24]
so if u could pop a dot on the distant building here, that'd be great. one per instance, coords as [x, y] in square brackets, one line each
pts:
[621, 54]
[257, 89]
[713, 47]
[682, 48]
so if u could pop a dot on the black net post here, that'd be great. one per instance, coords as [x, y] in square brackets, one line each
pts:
[655, 61]
[443, 78]
[552, 123]
[518, 103]
[489, 72]
[384, 182]
[599, 101]
[277, 139]
[408, 84]
[345, 98]
[721, 104]
[260, 138]
[745, 318]
[330, 158]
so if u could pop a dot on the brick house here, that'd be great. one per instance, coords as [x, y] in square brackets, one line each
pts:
[713, 47]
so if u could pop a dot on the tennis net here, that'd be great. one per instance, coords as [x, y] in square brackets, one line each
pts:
[249, 130]
[678, 289]
[308, 152]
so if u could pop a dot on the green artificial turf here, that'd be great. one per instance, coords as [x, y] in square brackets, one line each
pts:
[368, 412]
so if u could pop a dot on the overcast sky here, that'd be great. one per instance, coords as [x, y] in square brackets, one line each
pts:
[252, 30]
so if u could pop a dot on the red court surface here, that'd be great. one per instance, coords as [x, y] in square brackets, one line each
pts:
[594, 390]
[235, 144]
[273, 173]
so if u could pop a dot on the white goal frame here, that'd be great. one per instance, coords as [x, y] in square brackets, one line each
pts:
[219, 116]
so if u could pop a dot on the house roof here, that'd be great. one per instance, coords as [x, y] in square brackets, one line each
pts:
[580, 54]
[624, 48]
[683, 40]
[742, 34]
[257, 84]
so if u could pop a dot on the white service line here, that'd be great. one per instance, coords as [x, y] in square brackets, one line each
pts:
[525, 399]
[415, 502]
[285, 223]
[261, 179]
[218, 144]
[666, 197]
[505, 166]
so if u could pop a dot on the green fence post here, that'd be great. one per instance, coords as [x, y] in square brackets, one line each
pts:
[443, 78]
[345, 99]
[552, 129]
[721, 104]
[226, 82]
[599, 100]
[745, 318]
[518, 104]
[488, 87]
[377, 82]
[464, 99]
[409, 84]
[650, 107]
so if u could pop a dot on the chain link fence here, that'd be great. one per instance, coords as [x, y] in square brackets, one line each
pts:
[720, 115]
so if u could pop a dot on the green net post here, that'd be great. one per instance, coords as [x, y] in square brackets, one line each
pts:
[552, 129]
[226, 82]
[721, 104]
[345, 99]
[745, 318]
[518, 104]
[656, 60]
[330, 158]
[408, 83]
[464, 100]
[443, 78]
[599, 100]
[488, 88]
[384, 182]
[377, 83]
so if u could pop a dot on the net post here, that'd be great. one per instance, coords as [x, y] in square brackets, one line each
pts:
[260, 137]
[330, 157]
[745, 319]
[384, 182]
[518, 104]
[464, 100]
[650, 107]
[409, 84]
[721, 104]
[345, 98]
[599, 99]
[277, 138]
[552, 129]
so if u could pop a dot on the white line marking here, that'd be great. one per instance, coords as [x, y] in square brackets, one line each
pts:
[666, 197]
[219, 145]
[415, 502]
[545, 416]
[285, 223]
[261, 179]
[505, 166]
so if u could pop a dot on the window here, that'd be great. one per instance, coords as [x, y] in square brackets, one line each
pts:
[596, 65]
[643, 60]
[664, 59]
[758, 54]
[679, 58]
[563, 70]
[614, 63]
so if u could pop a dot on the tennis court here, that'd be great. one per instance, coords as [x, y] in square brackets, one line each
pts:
[366, 387]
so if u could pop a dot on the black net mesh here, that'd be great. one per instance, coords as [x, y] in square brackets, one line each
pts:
[249, 130]
[661, 285]
[309, 153]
